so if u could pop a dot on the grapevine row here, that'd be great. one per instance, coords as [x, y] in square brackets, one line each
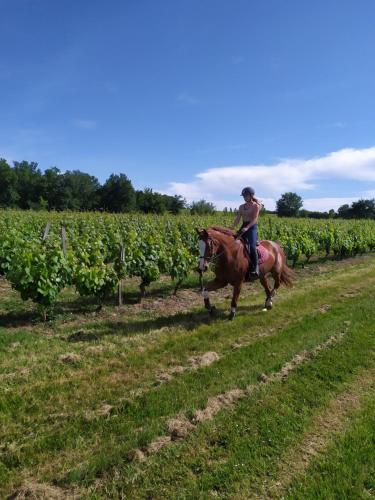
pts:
[100, 250]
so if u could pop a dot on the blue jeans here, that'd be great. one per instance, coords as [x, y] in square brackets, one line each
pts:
[251, 237]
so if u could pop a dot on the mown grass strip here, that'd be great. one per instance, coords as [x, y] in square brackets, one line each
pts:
[347, 468]
[139, 367]
[233, 455]
[140, 421]
[179, 427]
[326, 427]
[77, 437]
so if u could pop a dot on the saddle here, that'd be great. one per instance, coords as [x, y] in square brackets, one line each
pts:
[261, 250]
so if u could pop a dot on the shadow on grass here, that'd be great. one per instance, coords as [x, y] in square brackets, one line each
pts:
[188, 321]
[72, 304]
[18, 319]
[75, 304]
[164, 290]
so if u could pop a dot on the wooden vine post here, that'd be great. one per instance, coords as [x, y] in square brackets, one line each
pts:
[46, 230]
[120, 283]
[63, 239]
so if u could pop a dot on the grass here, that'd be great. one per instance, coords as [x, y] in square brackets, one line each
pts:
[347, 469]
[51, 429]
[236, 453]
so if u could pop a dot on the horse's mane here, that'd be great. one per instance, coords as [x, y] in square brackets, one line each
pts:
[222, 230]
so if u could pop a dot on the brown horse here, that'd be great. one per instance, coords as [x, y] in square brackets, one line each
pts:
[230, 258]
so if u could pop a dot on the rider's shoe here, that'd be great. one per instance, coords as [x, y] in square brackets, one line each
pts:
[252, 275]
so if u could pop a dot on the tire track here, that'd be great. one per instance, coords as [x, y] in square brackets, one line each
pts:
[325, 428]
[179, 427]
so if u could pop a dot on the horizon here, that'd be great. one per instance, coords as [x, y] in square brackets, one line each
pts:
[225, 207]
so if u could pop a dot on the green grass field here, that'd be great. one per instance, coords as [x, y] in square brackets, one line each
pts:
[160, 401]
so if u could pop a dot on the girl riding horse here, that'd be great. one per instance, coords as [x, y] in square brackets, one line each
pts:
[225, 249]
[249, 213]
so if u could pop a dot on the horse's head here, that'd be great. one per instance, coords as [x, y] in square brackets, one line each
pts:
[207, 248]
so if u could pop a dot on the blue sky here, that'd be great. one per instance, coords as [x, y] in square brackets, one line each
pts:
[195, 97]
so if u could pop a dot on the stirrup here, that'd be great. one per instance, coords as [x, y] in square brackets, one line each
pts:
[252, 275]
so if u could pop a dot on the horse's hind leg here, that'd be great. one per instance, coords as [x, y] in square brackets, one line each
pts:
[276, 277]
[236, 294]
[210, 287]
[268, 290]
[276, 274]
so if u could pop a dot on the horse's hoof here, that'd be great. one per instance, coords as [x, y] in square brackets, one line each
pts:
[269, 305]
[231, 316]
[212, 311]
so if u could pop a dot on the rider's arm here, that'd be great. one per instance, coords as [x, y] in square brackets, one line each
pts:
[237, 219]
[253, 220]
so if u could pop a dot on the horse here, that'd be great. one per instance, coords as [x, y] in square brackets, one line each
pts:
[229, 255]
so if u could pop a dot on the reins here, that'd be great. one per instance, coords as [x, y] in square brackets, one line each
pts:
[213, 257]
[212, 260]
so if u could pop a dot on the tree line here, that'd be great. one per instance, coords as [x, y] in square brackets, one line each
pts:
[290, 205]
[24, 186]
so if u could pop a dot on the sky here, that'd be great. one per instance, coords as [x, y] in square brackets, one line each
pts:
[195, 97]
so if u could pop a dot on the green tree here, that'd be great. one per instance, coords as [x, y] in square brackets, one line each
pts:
[53, 189]
[118, 194]
[363, 209]
[202, 207]
[331, 214]
[8, 193]
[175, 204]
[29, 184]
[289, 205]
[81, 190]
[150, 202]
[345, 211]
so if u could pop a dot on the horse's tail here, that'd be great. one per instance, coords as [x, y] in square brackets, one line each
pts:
[287, 276]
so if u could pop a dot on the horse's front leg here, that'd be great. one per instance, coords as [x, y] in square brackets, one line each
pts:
[236, 294]
[210, 287]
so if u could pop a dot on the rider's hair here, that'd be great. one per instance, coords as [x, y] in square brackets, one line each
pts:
[256, 200]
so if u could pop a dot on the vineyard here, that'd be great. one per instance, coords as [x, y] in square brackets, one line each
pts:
[161, 400]
[43, 253]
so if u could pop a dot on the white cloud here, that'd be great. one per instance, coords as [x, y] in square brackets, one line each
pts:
[85, 124]
[325, 204]
[269, 203]
[368, 194]
[187, 98]
[270, 181]
[337, 124]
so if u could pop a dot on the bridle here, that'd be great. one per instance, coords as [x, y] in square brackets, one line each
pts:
[202, 257]
[214, 255]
